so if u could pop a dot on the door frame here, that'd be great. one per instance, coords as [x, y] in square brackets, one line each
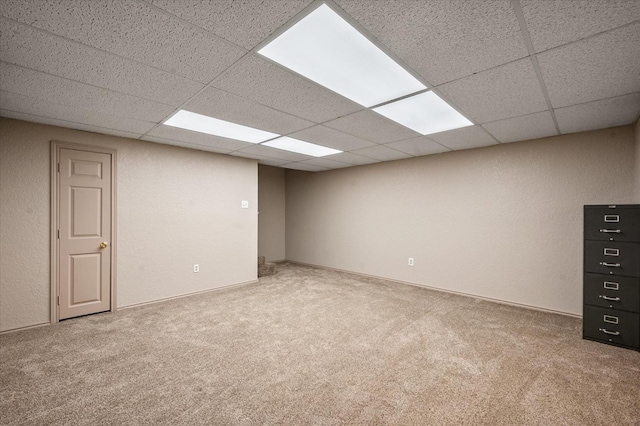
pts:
[56, 146]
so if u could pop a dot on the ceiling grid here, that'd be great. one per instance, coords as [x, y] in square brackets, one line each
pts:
[517, 69]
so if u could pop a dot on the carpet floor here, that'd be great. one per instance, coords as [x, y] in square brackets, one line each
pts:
[311, 346]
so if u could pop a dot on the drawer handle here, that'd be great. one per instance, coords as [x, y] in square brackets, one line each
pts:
[613, 299]
[610, 231]
[613, 333]
[611, 285]
[611, 218]
[610, 265]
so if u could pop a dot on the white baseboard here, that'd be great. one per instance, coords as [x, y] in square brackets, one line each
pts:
[443, 290]
[13, 330]
[179, 296]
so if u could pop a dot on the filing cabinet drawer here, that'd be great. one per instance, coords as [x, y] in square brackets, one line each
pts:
[612, 292]
[612, 258]
[608, 325]
[612, 224]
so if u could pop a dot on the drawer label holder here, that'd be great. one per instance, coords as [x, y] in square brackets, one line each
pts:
[609, 298]
[610, 231]
[610, 319]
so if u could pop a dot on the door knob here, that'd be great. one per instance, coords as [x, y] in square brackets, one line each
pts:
[103, 245]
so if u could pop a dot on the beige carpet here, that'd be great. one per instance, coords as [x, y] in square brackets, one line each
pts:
[312, 346]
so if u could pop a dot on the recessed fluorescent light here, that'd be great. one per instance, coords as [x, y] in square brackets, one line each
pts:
[213, 126]
[326, 49]
[301, 147]
[425, 113]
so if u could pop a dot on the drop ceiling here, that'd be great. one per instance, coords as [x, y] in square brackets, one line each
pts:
[517, 69]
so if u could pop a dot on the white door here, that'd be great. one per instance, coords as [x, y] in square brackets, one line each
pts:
[84, 202]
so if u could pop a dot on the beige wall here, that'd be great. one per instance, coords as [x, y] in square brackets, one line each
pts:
[176, 207]
[502, 222]
[637, 134]
[271, 208]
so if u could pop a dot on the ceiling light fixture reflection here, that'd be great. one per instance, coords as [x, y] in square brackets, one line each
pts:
[425, 113]
[301, 147]
[213, 126]
[328, 50]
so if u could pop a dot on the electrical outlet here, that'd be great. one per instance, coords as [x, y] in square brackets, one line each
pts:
[196, 268]
[244, 204]
[411, 261]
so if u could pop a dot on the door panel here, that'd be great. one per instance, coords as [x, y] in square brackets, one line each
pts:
[87, 168]
[85, 278]
[86, 212]
[84, 224]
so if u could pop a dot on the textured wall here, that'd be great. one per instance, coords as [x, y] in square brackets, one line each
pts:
[502, 222]
[176, 207]
[637, 133]
[271, 219]
[24, 227]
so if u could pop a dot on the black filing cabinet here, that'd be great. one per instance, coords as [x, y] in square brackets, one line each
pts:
[611, 311]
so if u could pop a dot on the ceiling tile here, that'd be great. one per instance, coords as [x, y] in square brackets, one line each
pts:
[120, 66]
[443, 40]
[271, 162]
[36, 84]
[227, 19]
[532, 126]
[184, 144]
[43, 108]
[371, 126]
[271, 85]
[327, 163]
[553, 23]
[225, 106]
[133, 29]
[261, 159]
[507, 91]
[177, 134]
[603, 114]
[418, 146]
[30, 48]
[599, 67]
[67, 124]
[382, 153]
[305, 167]
[278, 154]
[465, 138]
[351, 158]
[327, 136]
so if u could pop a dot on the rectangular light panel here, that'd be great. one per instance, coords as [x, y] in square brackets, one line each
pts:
[301, 147]
[425, 113]
[213, 126]
[326, 49]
